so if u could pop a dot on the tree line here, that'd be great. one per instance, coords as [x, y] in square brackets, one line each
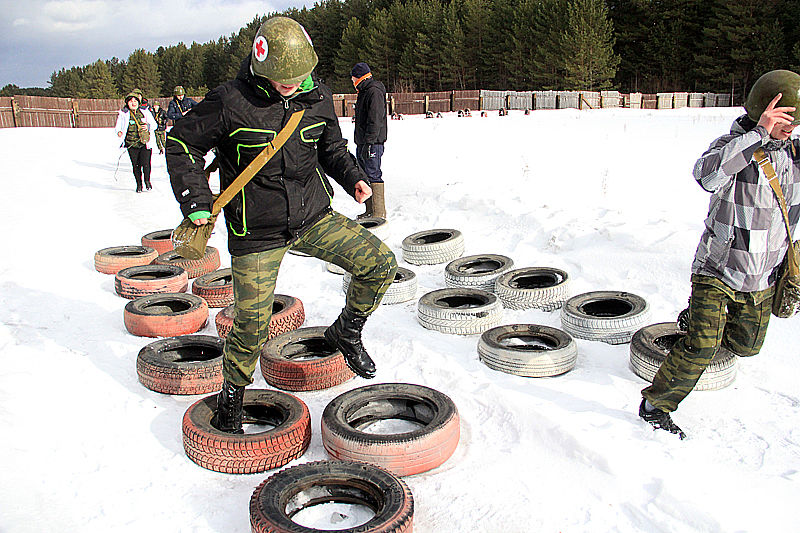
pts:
[436, 45]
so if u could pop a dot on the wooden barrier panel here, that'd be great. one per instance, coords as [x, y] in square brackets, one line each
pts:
[466, 100]
[91, 113]
[409, 103]
[438, 102]
[44, 111]
[6, 112]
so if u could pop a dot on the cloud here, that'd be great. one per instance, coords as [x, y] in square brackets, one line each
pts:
[39, 37]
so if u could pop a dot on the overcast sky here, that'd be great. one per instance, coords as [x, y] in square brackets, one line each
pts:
[38, 37]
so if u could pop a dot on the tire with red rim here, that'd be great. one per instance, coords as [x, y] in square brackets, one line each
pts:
[277, 431]
[133, 282]
[189, 364]
[346, 419]
[216, 288]
[113, 259]
[302, 360]
[165, 315]
[288, 314]
[160, 241]
[193, 267]
[277, 501]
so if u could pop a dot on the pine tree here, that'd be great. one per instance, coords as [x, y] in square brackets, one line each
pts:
[141, 72]
[99, 83]
[350, 52]
[588, 46]
[382, 54]
[453, 49]
[68, 83]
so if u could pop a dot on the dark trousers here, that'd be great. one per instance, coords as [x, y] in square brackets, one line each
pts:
[369, 159]
[140, 160]
[736, 320]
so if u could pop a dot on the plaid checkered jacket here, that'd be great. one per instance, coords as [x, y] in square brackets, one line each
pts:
[745, 239]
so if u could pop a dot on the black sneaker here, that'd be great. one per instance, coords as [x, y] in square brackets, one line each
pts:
[660, 420]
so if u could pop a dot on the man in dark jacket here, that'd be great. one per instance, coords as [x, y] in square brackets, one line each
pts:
[370, 134]
[285, 205]
[180, 104]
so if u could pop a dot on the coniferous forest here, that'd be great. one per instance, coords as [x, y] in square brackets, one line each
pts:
[436, 45]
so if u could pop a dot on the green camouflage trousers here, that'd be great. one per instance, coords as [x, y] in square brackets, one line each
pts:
[335, 239]
[717, 315]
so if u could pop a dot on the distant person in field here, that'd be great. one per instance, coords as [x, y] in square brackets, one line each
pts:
[180, 104]
[370, 134]
[136, 128]
[744, 243]
[161, 131]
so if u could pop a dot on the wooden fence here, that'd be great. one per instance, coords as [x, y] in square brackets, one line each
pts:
[44, 111]
[50, 112]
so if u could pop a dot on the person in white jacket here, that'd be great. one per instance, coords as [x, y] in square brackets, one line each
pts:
[136, 127]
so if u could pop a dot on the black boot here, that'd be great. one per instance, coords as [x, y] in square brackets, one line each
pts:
[147, 184]
[138, 184]
[345, 335]
[228, 417]
[659, 420]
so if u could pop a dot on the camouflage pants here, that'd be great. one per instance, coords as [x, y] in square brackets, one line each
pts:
[717, 315]
[335, 239]
[161, 139]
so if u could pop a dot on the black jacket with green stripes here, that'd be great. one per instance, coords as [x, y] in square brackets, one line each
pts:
[291, 192]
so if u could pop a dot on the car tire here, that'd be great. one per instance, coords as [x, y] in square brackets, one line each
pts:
[288, 314]
[286, 439]
[133, 282]
[528, 350]
[606, 316]
[216, 288]
[115, 258]
[160, 241]
[194, 267]
[165, 315]
[476, 271]
[650, 347]
[346, 418]
[302, 360]
[188, 364]
[431, 247]
[278, 499]
[459, 311]
[542, 288]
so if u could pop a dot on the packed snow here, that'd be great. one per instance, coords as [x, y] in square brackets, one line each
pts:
[606, 195]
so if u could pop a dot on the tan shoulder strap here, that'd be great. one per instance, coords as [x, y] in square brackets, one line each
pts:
[769, 171]
[256, 164]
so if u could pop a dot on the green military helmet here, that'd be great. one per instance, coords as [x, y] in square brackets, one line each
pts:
[282, 51]
[178, 90]
[768, 86]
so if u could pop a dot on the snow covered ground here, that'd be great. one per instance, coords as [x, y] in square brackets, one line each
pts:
[606, 195]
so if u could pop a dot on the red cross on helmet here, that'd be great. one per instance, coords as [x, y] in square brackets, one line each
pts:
[282, 51]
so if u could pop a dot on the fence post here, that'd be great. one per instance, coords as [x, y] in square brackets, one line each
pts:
[74, 116]
[15, 111]
[427, 103]
[480, 102]
[452, 101]
[392, 105]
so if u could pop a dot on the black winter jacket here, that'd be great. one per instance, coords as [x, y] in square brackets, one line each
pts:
[291, 192]
[370, 113]
[177, 107]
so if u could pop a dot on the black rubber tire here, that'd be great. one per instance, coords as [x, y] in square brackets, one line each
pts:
[345, 418]
[476, 271]
[113, 259]
[459, 311]
[606, 316]
[402, 289]
[539, 351]
[133, 282]
[165, 315]
[302, 360]
[434, 246]
[276, 500]
[249, 453]
[216, 288]
[189, 364]
[194, 267]
[651, 344]
[542, 288]
[160, 241]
